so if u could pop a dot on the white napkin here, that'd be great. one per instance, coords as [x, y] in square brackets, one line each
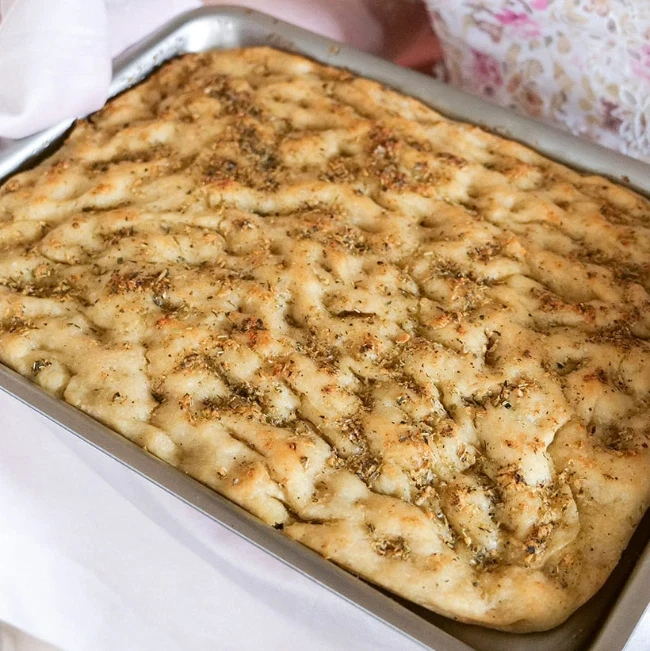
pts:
[55, 55]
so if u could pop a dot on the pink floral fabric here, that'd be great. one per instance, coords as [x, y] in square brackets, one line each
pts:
[581, 64]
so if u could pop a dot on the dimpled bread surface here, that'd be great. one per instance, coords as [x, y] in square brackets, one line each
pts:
[416, 347]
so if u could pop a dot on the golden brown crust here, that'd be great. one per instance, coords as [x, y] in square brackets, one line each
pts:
[420, 348]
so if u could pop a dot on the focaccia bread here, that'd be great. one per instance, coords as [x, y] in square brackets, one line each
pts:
[416, 347]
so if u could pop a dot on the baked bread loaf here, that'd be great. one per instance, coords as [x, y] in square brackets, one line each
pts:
[414, 346]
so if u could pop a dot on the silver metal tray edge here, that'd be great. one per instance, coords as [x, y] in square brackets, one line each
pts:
[236, 27]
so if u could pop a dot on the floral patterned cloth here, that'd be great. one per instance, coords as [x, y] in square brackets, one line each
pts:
[581, 64]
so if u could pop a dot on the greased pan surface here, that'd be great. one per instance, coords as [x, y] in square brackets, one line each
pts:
[210, 28]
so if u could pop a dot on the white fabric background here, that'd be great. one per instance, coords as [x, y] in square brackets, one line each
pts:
[50, 46]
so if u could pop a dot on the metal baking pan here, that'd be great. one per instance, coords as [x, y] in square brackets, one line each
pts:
[608, 619]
